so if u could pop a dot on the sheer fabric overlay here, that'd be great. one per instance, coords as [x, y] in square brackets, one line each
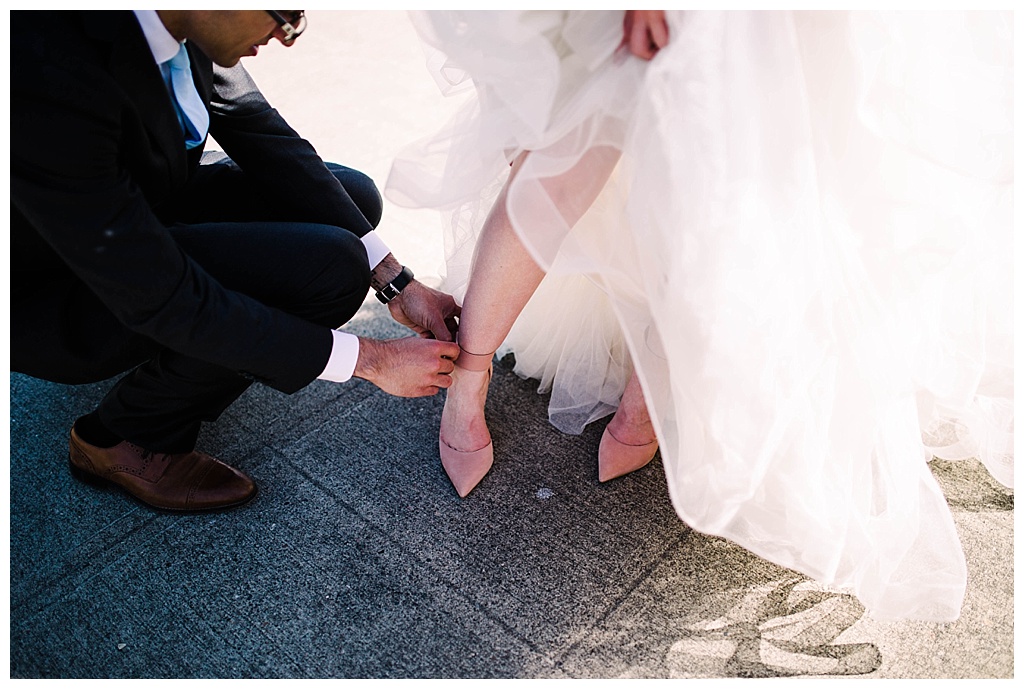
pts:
[803, 246]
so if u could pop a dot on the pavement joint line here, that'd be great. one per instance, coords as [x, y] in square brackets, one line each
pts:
[471, 602]
[49, 583]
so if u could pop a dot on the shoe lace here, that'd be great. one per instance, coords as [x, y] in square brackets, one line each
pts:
[149, 454]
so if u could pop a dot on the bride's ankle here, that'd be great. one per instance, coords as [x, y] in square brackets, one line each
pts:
[465, 383]
[632, 426]
[463, 423]
[468, 392]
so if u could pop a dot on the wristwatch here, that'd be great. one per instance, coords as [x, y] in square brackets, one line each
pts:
[395, 287]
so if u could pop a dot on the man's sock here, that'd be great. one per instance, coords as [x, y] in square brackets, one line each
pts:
[95, 433]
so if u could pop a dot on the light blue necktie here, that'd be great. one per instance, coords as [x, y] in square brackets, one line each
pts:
[192, 114]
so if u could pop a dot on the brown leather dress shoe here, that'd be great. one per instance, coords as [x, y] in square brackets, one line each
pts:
[188, 482]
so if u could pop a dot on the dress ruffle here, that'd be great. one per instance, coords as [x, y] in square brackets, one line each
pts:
[804, 248]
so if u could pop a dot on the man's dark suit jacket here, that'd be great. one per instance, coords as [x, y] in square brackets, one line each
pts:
[97, 151]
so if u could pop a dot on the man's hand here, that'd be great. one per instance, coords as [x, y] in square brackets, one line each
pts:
[645, 32]
[407, 367]
[426, 312]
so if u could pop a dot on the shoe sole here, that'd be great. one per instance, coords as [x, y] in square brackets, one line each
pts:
[91, 479]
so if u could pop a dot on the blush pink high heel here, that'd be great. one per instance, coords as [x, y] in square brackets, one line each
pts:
[466, 469]
[615, 458]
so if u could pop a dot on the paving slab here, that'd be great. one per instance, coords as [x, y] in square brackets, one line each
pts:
[358, 560]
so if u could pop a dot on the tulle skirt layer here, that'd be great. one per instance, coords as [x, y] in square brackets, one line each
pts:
[801, 241]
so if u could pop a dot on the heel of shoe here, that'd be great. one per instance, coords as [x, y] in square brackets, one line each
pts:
[615, 459]
[86, 477]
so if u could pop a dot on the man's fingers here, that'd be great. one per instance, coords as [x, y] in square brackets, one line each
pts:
[448, 350]
[441, 332]
[449, 321]
[414, 367]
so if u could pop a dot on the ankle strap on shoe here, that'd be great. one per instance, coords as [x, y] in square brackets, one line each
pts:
[473, 362]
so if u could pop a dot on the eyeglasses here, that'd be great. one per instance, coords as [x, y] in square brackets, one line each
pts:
[292, 25]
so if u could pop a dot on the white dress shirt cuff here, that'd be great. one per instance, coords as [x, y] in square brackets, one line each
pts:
[376, 249]
[344, 354]
[345, 350]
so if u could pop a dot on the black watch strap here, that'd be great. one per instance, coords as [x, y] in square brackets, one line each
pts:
[395, 287]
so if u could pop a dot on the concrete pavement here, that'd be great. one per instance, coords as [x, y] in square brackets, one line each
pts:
[357, 558]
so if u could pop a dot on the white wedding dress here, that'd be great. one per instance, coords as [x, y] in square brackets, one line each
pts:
[805, 249]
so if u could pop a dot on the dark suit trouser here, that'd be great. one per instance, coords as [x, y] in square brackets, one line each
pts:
[248, 243]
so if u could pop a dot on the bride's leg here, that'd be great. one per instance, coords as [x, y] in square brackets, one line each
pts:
[629, 442]
[632, 422]
[503, 278]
